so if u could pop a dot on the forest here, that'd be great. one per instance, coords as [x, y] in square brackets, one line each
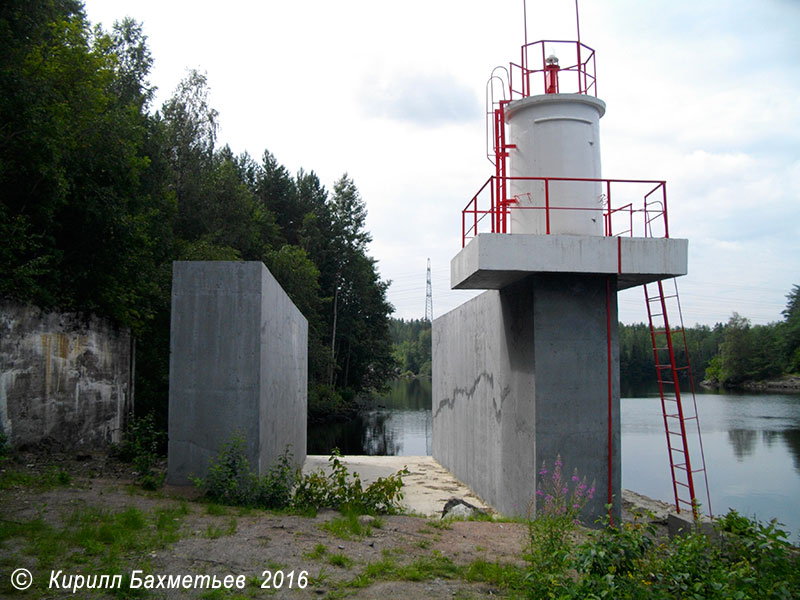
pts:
[100, 192]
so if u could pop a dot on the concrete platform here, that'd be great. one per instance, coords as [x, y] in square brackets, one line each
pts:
[492, 261]
[426, 489]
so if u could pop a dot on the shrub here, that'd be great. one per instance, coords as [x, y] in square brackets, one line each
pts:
[749, 560]
[4, 446]
[140, 446]
[344, 491]
[232, 481]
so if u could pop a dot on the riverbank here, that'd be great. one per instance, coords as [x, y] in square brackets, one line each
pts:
[786, 384]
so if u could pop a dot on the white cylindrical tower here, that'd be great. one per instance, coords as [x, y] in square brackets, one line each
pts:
[555, 135]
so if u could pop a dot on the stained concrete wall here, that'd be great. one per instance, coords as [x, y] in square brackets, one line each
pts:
[520, 376]
[238, 365]
[65, 378]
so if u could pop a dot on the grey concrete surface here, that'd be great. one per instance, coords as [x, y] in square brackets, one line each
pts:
[520, 377]
[65, 378]
[238, 366]
[494, 260]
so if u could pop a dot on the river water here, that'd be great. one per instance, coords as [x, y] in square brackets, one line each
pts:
[751, 444]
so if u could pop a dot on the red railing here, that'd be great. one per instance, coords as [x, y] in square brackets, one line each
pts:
[576, 72]
[629, 207]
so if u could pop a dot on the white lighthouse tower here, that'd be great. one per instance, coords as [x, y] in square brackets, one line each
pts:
[529, 370]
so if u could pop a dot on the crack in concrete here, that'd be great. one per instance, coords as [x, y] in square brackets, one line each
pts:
[468, 393]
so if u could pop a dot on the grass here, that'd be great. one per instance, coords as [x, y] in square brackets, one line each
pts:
[340, 560]
[349, 527]
[214, 531]
[52, 478]
[91, 540]
[438, 566]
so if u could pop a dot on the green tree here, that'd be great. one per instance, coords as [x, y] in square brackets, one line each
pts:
[790, 343]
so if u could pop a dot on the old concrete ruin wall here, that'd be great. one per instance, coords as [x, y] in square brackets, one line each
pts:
[238, 366]
[65, 378]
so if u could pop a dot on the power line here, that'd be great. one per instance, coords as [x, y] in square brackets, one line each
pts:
[429, 296]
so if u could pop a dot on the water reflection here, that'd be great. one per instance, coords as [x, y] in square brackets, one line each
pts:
[752, 451]
[399, 424]
[743, 442]
[751, 443]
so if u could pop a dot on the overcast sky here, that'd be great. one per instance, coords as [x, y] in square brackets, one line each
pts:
[704, 94]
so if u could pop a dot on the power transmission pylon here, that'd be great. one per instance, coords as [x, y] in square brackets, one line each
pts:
[429, 296]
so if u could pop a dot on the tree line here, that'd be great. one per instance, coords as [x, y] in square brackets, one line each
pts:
[728, 354]
[100, 192]
[411, 346]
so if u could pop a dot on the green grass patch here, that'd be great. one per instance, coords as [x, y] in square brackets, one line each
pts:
[214, 531]
[91, 539]
[340, 560]
[347, 527]
[52, 478]
[319, 551]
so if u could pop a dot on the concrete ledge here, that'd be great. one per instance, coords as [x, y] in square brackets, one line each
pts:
[492, 261]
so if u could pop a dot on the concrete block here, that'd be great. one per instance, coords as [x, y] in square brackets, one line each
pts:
[521, 376]
[492, 261]
[238, 365]
[680, 524]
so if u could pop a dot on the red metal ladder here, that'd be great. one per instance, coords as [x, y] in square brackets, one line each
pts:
[681, 423]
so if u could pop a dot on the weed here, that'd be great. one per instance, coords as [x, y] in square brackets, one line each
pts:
[53, 477]
[440, 523]
[318, 552]
[141, 445]
[4, 446]
[344, 491]
[232, 481]
[347, 526]
[495, 573]
[217, 510]
[215, 531]
[340, 560]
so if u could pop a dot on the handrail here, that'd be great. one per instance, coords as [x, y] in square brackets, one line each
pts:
[578, 75]
[630, 207]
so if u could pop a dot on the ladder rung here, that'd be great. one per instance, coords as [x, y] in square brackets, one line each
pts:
[686, 485]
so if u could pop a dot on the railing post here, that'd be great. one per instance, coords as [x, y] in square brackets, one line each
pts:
[547, 205]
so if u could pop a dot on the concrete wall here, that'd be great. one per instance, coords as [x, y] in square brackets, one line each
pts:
[520, 376]
[238, 365]
[65, 378]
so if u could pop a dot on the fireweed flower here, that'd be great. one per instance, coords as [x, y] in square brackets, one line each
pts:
[559, 501]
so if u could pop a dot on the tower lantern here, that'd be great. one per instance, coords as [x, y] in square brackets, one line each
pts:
[551, 75]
